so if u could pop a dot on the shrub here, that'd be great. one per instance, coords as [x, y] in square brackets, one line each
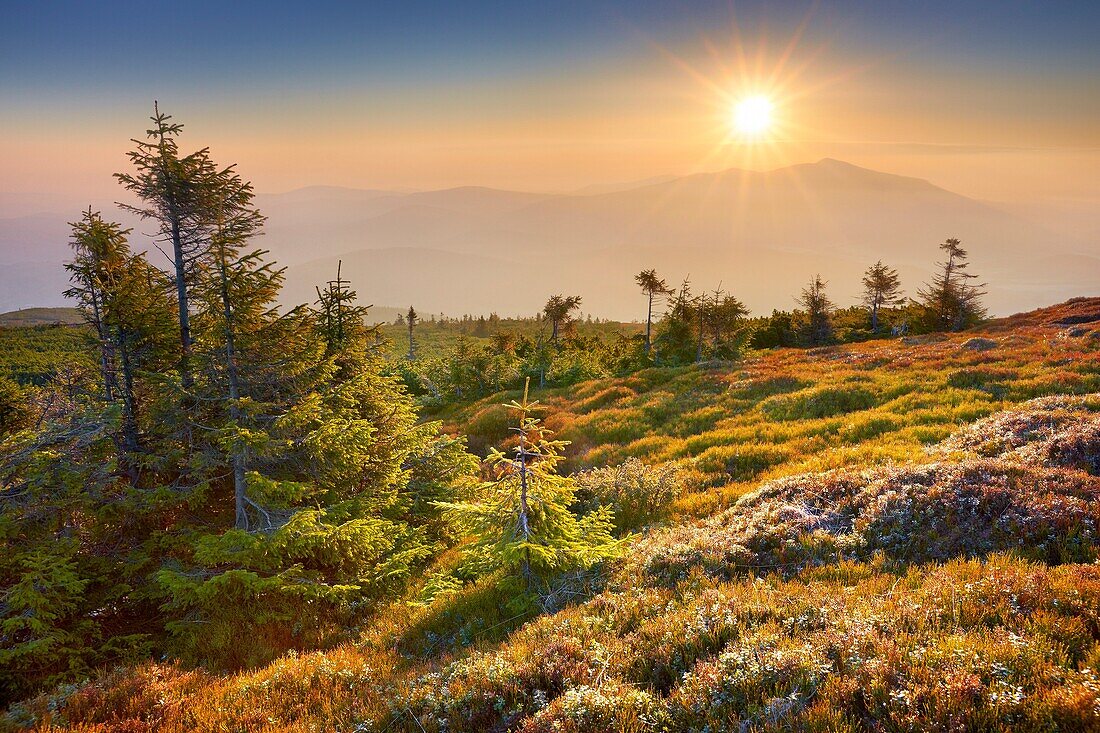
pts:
[635, 492]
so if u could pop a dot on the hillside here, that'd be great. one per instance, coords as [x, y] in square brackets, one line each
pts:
[894, 535]
[762, 234]
[40, 317]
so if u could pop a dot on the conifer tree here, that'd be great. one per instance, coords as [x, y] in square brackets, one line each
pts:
[294, 487]
[558, 310]
[411, 321]
[340, 320]
[174, 191]
[818, 309]
[724, 316]
[126, 302]
[521, 519]
[951, 301]
[881, 289]
[653, 287]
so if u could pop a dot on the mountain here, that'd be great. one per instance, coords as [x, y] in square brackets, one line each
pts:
[40, 317]
[762, 234]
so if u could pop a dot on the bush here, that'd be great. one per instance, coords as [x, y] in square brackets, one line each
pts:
[637, 493]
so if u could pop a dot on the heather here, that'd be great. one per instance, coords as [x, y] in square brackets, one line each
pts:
[823, 540]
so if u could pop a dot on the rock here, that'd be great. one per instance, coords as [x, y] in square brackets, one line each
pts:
[1073, 333]
[978, 344]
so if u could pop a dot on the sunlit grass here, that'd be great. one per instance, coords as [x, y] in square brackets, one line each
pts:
[919, 585]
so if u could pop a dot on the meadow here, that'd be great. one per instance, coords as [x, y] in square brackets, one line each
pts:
[438, 338]
[894, 535]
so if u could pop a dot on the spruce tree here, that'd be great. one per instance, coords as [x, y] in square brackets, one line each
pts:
[881, 289]
[174, 191]
[818, 327]
[653, 287]
[558, 310]
[522, 520]
[952, 301]
[126, 302]
[411, 321]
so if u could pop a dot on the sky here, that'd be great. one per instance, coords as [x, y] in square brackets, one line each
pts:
[995, 100]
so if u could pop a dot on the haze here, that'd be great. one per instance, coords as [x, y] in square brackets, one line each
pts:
[994, 102]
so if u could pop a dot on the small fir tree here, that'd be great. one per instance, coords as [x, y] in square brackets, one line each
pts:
[521, 519]
[952, 301]
[818, 310]
[881, 289]
[653, 287]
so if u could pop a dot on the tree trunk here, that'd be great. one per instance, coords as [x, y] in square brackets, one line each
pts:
[240, 452]
[129, 409]
[649, 325]
[180, 263]
[181, 298]
[524, 510]
[104, 347]
[699, 343]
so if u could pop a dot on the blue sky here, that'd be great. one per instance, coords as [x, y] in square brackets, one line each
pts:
[65, 46]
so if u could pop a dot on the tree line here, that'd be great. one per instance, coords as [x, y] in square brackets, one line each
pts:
[683, 327]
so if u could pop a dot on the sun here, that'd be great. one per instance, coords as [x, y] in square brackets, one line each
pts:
[752, 116]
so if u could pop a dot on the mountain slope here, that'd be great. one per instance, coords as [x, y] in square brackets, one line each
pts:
[761, 234]
[919, 558]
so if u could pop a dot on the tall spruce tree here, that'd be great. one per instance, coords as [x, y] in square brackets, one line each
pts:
[175, 191]
[653, 287]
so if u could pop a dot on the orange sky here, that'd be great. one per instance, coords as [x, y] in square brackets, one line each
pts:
[987, 130]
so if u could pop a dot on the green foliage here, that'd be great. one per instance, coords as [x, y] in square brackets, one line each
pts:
[698, 327]
[951, 300]
[817, 308]
[15, 412]
[230, 480]
[635, 492]
[521, 520]
[33, 355]
[818, 403]
[852, 574]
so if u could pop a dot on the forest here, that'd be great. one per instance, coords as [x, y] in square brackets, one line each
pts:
[223, 512]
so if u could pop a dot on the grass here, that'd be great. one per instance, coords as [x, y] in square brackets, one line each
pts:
[439, 338]
[883, 536]
[790, 411]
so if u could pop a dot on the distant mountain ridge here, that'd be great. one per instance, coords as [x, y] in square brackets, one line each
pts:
[762, 234]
